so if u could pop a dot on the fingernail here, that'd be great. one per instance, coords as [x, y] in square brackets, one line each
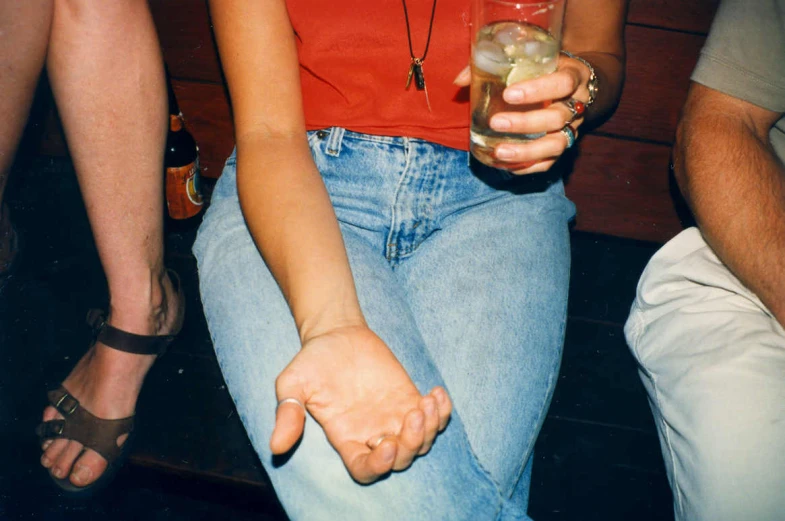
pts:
[440, 397]
[429, 408]
[513, 95]
[58, 473]
[463, 76]
[46, 444]
[499, 123]
[504, 153]
[417, 422]
[82, 474]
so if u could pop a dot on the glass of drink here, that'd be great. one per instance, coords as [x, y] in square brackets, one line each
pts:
[512, 41]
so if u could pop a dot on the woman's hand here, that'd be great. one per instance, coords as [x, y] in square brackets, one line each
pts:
[554, 90]
[372, 414]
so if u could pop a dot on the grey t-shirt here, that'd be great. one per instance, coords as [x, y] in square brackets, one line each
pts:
[744, 57]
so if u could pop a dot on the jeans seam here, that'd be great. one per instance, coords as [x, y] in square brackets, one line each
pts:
[501, 499]
[544, 410]
[393, 212]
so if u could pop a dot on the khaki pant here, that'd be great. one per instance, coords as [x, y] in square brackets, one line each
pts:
[712, 358]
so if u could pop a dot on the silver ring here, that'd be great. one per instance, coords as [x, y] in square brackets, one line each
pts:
[576, 108]
[290, 400]
[569, 134]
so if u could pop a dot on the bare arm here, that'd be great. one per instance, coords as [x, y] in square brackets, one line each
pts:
[735, 186]
[282, 195]
[346, 377]
[594, 30]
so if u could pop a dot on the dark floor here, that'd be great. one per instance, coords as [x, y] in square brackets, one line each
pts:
[597, 457]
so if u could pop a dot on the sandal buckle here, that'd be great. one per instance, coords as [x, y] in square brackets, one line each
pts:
[69, 412]
[96, 319]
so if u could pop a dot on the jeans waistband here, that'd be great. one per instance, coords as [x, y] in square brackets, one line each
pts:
[336, 135]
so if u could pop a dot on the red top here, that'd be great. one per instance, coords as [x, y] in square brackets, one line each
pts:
[354, 60]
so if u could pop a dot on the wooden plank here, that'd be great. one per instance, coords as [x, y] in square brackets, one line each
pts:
[208, 117]
[186, 38]
[207, 439]
[692, 15]
[622, 188]
[659, 65]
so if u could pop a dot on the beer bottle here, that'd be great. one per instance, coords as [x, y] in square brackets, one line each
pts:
[183, 185]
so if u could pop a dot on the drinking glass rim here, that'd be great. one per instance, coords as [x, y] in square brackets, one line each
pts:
[520, 3]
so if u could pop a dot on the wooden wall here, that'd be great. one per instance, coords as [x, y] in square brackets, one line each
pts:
[620, 182]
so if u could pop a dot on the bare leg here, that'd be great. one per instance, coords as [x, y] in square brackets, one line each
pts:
[107, 76]
[24, 36]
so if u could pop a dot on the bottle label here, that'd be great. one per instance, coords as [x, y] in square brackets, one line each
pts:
[176, 122]
[183, 191]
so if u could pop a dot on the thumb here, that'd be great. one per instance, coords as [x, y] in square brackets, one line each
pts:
[289, 419]
[464, 77]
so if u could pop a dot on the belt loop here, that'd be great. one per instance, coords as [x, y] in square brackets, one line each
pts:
[334, 141]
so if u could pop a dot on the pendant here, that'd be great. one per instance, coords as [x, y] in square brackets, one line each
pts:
[419, 78]
[415, 71]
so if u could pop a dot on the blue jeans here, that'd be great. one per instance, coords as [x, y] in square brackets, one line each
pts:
[464, 275]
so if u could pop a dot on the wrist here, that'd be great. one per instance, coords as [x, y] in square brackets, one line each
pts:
[589, 75]
[333, 316]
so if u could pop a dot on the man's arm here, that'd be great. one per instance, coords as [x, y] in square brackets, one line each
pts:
[735, 186]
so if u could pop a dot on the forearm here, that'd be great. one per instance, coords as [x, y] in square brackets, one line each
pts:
[594, 31]
[609, 68]
[293, 223]
[735, 186]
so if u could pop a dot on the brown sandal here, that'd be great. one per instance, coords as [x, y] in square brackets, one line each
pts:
[81, 425]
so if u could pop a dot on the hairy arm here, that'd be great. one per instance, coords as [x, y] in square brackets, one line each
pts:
[281, 192]
[735, 186]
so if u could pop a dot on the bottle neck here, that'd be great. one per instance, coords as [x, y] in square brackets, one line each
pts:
[174, 108]
[176, 122]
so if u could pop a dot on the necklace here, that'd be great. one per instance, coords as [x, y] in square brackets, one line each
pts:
[415, 69]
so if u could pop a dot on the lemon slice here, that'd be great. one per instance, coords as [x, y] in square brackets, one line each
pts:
[522, 70]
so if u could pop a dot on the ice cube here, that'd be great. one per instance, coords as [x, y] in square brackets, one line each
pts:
[510, 33]
[489, 57]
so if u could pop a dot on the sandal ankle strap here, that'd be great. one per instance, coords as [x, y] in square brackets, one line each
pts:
[131, 342]
[124, 341]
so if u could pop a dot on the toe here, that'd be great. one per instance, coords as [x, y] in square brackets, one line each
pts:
[62, 466]
[88, 468]
[52, 452]
[50, 413]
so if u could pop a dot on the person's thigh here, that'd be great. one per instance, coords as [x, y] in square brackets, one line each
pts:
[255, 338]
[713, 362]
[489, 294]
